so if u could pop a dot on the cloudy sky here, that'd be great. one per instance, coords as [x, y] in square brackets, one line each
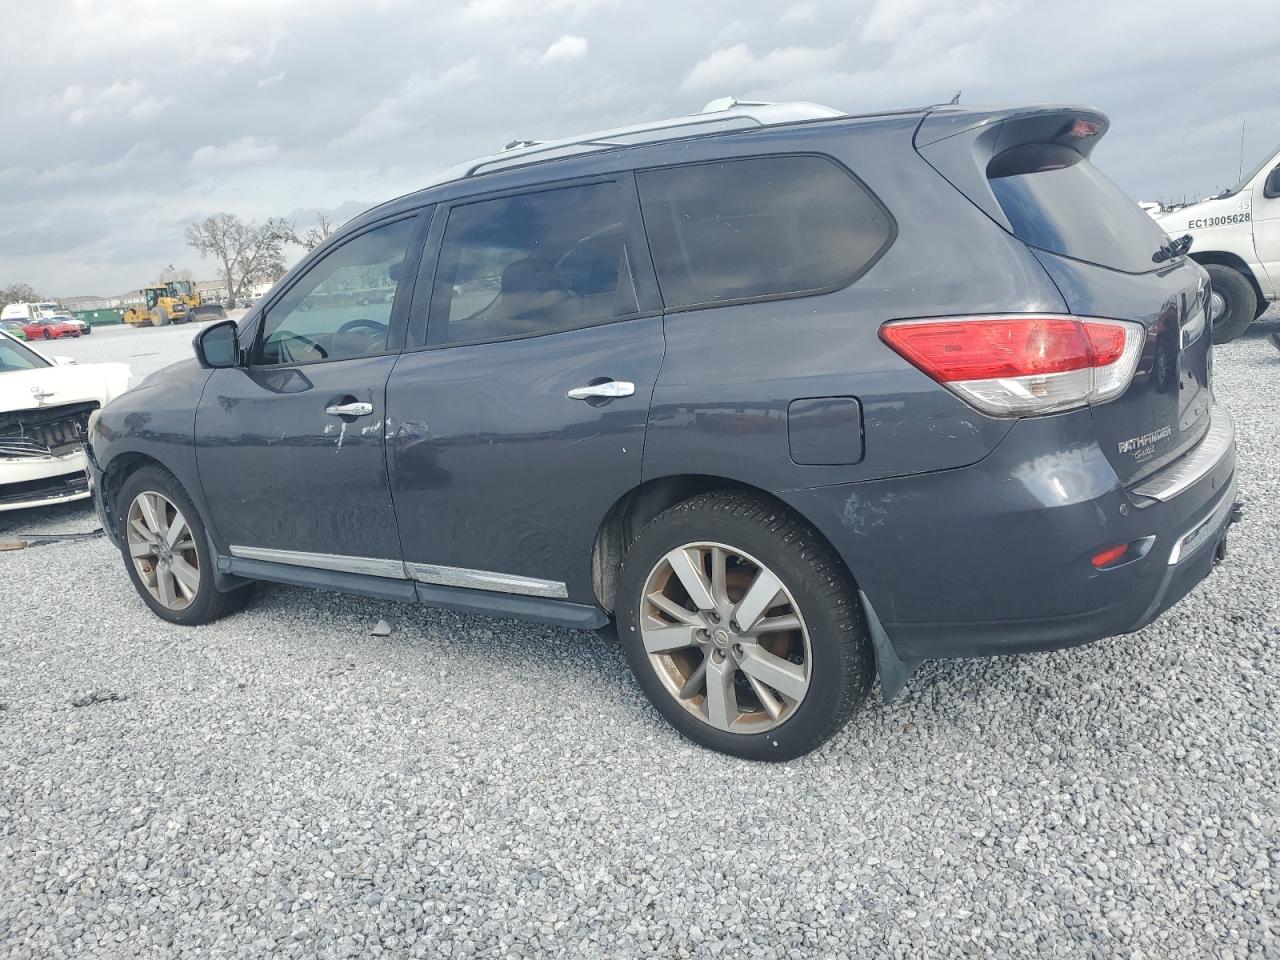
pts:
[125, 120]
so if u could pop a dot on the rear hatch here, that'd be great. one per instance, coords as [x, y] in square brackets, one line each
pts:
[1029, 170]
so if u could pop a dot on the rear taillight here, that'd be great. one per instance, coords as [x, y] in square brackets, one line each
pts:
[1022, 364]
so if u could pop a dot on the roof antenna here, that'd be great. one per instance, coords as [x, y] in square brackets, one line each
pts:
[954, 100]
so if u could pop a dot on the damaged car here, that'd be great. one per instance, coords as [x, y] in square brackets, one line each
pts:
[794, 399]
[45, 406]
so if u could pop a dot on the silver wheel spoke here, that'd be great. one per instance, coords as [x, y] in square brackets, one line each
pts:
[673, 609]
[176, 530]
[787, 621]
[164, 587]
[759, 598]
[141, 548]
[785, 677]
[187, 576]
[719, 576]
[695, 681]
[767, 699]
[686, 563]
[722, 699]
[141, 530]
[150, 516]
[666, 639]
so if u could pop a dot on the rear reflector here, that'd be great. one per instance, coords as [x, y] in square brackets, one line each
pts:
[1022, 364]
[1110, 555]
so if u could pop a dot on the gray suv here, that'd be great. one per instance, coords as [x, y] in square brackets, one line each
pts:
[794, 398]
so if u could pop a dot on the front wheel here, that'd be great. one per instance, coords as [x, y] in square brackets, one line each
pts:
[1233, 303]
[743, 628]
[166, 551]
[48, 334]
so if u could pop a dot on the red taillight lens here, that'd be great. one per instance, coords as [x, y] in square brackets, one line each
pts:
[980, 349]
[1021, 364]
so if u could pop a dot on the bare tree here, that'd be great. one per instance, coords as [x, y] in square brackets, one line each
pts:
[316, 235]
[19, 293]
[248, 253]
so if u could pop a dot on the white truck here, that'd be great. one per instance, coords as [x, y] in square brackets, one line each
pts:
[1236, 238]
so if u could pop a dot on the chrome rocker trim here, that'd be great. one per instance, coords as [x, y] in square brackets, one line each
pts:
[398, 570]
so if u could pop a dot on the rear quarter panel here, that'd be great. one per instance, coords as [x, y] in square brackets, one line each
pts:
[720, 404]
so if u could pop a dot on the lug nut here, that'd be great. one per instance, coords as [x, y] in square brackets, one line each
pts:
[737, 650]
[717, 656]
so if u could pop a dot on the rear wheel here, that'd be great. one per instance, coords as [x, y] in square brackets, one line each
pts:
[1233, 303]
[166, 551]
[742, 627]
[48, 334]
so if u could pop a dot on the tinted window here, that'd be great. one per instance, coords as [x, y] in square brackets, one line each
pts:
[764, 227]
[533, 264]
[341, 307]
[1057, 200]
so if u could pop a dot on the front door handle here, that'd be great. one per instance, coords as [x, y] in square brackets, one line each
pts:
[609, 390]
[353, 409]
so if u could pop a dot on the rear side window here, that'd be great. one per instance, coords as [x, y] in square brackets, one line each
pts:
[759, 228]
[532, 264]
[1057, 200]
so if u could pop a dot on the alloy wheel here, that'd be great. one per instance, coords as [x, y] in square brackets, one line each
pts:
[163, 550]
[726, 637]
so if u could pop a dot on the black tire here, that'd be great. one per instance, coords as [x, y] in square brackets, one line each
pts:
[1241, 302]
[48, 335]
[209, 603]
[843, 666]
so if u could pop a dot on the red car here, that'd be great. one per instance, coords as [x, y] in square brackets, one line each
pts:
[50, 329]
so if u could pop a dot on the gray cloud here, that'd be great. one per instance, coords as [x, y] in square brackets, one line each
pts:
[273, 106]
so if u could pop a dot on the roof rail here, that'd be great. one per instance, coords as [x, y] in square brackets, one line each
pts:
[718, 116]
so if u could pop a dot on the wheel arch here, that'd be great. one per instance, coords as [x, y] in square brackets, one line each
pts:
[630, 512]
[1236, 263]
[123, 465]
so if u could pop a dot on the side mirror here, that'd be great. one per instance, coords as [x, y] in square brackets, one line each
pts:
[65, 361]
[1271, 189]
[218, 345]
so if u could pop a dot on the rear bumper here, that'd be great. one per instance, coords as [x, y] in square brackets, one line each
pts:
[996, 558]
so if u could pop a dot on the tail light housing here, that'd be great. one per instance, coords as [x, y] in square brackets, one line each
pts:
[1018, 365]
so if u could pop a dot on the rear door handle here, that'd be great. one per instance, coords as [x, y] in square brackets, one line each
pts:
[609, 390]
[354, 409]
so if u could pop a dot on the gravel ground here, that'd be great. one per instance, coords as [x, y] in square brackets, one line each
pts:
[284, 783]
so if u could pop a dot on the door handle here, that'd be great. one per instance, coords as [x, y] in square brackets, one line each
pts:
[609, 390]
[354, 409]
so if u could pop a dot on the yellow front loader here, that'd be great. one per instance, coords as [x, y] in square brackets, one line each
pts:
[163, 304]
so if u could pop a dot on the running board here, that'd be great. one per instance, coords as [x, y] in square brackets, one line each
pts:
[560, 613]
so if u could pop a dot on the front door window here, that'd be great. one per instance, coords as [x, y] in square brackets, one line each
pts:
[341, 308]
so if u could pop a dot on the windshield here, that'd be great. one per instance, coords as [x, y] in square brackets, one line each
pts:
[152, 296]
[14, 356]
[1244, 181]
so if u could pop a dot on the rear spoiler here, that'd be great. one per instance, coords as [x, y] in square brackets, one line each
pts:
[959, 142]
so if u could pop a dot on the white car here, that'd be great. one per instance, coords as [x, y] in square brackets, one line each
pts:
[1236, 238]
[44, 408]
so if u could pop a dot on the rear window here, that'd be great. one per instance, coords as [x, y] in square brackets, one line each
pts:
[1057, 200]
[759, 228]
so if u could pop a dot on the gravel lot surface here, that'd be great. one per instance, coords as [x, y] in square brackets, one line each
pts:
[283, 783]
